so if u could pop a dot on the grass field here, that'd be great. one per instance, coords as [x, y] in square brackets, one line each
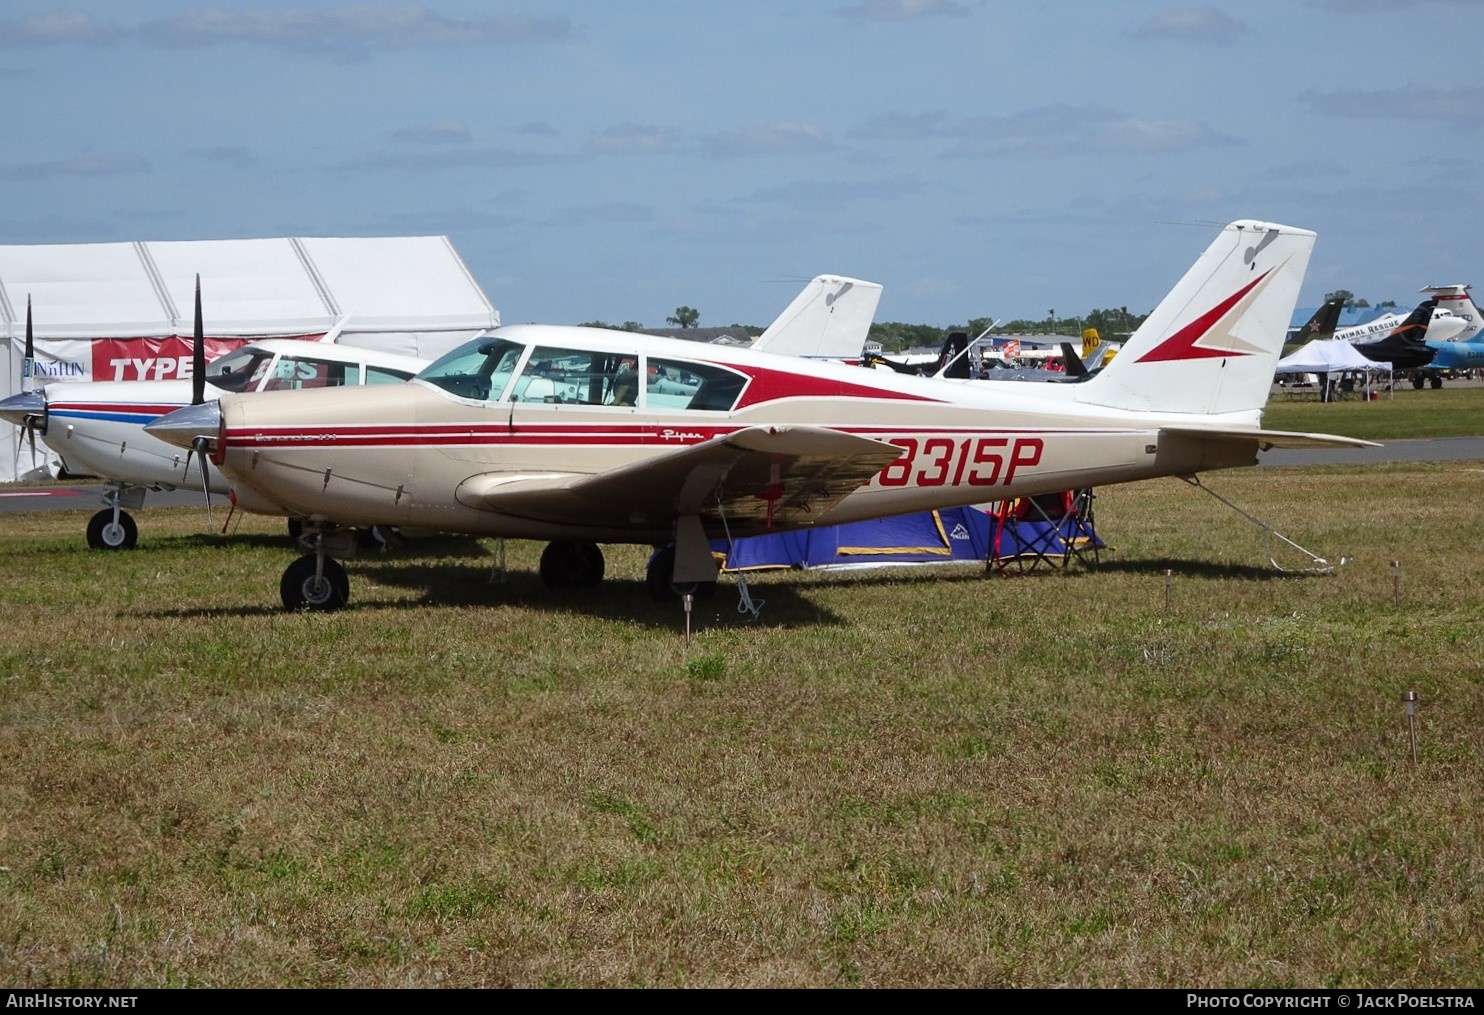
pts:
[1183, 768]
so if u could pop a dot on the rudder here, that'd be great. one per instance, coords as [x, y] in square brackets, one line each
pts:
[1212, 344]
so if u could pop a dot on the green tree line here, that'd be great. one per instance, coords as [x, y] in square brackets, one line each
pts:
[1113, 324]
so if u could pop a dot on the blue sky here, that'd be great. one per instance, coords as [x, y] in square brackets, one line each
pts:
[613, 161]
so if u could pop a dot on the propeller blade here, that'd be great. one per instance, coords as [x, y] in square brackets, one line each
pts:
[198, 355]
[28, 365]
[200, 447]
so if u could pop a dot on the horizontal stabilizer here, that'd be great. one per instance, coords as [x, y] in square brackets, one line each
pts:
[1272, 438]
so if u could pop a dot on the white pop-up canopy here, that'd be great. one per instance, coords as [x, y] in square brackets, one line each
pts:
[121, 311]
[1331, 356]
[1328, 356]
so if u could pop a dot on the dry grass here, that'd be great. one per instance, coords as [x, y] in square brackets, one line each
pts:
[925, 778]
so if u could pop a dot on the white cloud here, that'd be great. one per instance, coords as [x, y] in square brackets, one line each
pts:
[446, 131]
[633, 139]
[354, 26]
[1199, 24]
[1464, 105]
[64, 27]
[781, 138]
[903, 10]
[81, 165]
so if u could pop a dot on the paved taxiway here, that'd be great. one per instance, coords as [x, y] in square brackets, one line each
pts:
[88, 496]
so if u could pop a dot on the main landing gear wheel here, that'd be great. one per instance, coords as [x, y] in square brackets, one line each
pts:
[567, 565]
[657, 579]
[106, 534]
[302, 590]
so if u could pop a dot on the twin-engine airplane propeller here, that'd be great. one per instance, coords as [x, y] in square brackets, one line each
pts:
[517, 433]
[97, 427]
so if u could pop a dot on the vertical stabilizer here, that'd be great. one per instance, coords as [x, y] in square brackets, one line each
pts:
[1321, 327]
[1456, 300]
[830, 319]
[1405, 346]
[1211, 345]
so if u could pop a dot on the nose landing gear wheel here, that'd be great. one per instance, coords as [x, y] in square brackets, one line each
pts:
[301, 590]
[106, 534]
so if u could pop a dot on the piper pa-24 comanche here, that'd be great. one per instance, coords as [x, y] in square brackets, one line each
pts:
[528, 432]
[97, 427]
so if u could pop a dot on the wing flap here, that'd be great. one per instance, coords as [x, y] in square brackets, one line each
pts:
[754, 478]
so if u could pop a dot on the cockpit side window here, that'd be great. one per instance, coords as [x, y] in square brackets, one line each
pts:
[676, 384]
[385, 375]
[579, 377]
[292, 374]
[477, 369]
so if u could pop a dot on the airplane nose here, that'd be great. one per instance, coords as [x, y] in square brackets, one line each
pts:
[17, 408]
[186, 425]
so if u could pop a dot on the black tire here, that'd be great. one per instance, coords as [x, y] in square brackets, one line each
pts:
[1435, 382]
[301, 591]
[571, 565]
[104, 535]
[657, 579]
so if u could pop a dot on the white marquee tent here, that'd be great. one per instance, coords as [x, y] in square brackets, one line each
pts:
[1332, 357]
[109, 311]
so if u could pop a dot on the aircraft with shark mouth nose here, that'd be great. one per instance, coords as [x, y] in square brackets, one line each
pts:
[483, 443]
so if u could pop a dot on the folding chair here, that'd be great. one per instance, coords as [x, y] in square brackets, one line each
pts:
[1078, 531]
[1047, 530]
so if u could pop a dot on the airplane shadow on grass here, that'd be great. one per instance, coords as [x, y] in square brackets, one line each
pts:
[444, 573]
[624, 599]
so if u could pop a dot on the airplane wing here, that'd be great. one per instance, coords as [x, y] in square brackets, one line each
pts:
[753, 478]
[1272, 438]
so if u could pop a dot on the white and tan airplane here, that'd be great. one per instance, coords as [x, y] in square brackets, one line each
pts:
[97, 427]
[480, 444]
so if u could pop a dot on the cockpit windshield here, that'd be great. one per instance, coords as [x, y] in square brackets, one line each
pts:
[477, 369]
[240, 370]
[255, 369]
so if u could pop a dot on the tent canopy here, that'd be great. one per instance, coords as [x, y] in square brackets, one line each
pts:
[249, 288]
[1327, 356]
[97, 308]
